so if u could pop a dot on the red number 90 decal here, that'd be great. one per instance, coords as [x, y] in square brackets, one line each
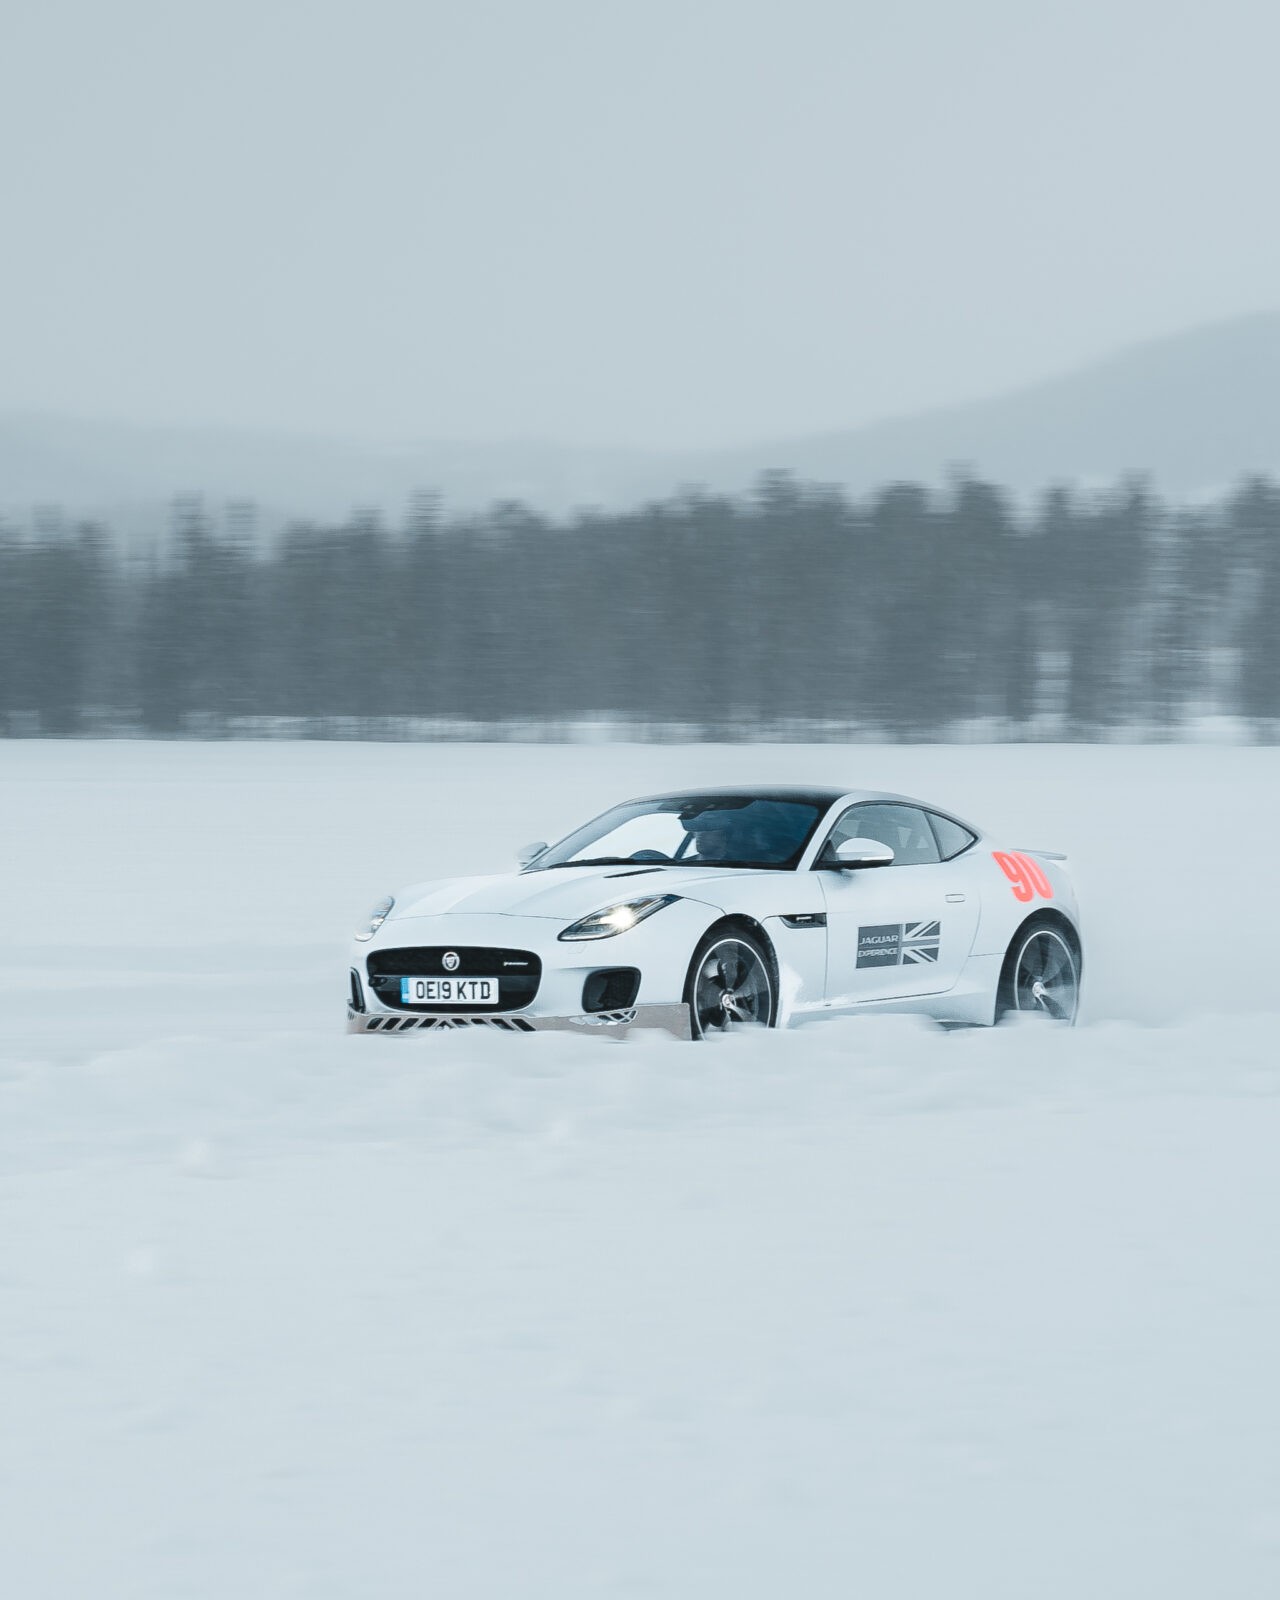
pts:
[1026, 877]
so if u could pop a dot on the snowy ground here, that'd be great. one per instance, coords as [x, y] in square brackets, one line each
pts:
[867, 1309]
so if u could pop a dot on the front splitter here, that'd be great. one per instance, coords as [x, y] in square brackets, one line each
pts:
[603, 1024]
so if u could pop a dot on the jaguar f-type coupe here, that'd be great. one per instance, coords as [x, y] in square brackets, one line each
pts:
[713, 910]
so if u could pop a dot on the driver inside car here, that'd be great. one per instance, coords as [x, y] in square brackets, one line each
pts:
[712, 837]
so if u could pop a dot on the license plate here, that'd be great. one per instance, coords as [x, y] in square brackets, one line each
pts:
[449, 991]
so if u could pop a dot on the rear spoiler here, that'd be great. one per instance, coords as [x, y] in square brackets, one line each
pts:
[1047, 855]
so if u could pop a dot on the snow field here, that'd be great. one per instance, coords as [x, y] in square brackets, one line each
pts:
[864, 1308]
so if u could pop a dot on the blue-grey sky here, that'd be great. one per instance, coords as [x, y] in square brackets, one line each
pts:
[658, 223]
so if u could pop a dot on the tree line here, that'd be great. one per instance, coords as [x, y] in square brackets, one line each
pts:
[913, 613]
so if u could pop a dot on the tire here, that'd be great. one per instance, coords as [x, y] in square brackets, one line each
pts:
[730, 962]
[1041, 974]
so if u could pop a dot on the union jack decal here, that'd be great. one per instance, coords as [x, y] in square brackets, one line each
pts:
[920, 941]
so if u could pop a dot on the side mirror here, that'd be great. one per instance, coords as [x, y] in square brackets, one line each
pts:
[530, 854]
[862, 853]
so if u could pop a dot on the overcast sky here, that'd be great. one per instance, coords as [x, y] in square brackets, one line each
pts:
[655, 223]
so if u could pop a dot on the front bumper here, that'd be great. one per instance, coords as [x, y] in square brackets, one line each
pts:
[672, 1019]
[658, 948]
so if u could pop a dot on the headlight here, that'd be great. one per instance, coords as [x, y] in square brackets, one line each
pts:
[617, 919]
[377, 917]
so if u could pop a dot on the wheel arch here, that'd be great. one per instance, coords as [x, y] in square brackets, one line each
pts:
[740, 919]
[1048, 917]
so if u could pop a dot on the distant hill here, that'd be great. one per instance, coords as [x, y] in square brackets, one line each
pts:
[1195, 411]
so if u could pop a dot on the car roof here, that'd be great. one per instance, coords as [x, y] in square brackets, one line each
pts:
[815, 794]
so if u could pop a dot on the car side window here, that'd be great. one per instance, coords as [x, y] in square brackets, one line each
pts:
[952, 838]
[905, 829]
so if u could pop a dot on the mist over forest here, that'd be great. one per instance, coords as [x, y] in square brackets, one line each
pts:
[792, 611]
[1194, 410]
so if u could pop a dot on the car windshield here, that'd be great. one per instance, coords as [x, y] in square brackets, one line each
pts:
[692, 830]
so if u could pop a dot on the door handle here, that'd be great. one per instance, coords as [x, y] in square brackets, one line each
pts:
[955, 899]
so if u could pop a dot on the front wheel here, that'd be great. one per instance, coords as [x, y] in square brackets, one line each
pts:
[730, 984]
[1041, 975]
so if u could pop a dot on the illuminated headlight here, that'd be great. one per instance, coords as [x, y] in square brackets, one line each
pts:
[377, 917]
[617, 919]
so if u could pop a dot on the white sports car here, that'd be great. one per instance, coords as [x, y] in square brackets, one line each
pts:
[714, 909]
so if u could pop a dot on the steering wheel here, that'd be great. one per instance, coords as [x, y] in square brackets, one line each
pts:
[648, 855]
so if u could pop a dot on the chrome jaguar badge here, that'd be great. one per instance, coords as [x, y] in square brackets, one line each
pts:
[451, 961]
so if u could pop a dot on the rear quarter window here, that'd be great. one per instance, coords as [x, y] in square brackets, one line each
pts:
[952, 838]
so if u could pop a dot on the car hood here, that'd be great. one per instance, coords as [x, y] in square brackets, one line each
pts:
[562, 893]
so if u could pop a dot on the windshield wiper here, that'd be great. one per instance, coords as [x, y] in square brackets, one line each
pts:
[603, 861]
[739, 866]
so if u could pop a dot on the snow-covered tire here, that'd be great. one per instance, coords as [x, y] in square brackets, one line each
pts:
[731, 984]
[1041, 973]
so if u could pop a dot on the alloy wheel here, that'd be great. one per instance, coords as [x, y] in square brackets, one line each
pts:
[1046, 977]
[732, 988]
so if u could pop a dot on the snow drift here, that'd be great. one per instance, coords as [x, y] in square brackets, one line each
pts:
[864, 1308]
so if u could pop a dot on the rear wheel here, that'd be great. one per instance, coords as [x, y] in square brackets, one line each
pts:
[1042, 975]
[730, 984]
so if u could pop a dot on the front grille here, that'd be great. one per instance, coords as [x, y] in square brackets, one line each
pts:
[518, 972]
